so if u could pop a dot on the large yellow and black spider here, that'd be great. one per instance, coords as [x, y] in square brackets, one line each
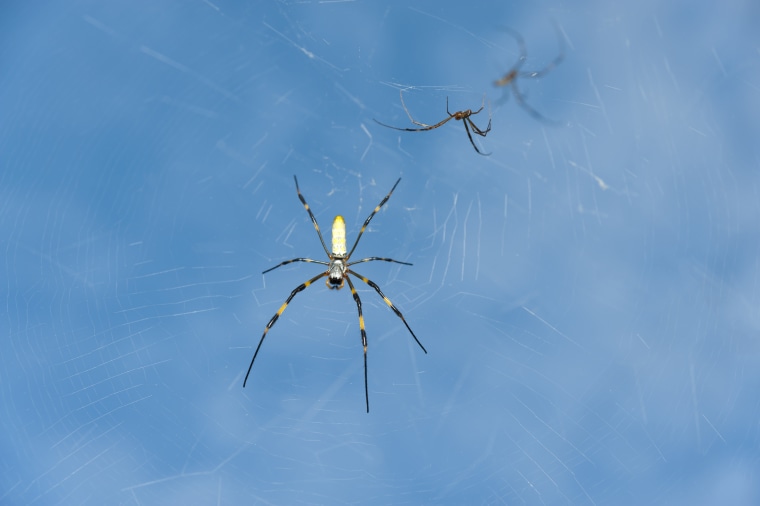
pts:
[338, 269]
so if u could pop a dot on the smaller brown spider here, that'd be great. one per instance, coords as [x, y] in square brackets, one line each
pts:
[511, 77]
[464, 116]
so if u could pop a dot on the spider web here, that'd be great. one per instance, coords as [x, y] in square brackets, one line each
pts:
[587, 293]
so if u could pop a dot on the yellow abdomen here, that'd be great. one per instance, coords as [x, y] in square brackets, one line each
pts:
[339, 236]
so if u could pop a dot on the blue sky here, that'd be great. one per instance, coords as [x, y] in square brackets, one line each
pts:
[587, 293]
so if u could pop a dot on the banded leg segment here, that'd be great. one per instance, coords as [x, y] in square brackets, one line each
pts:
[271, 323]
[387, 301]
[366, 222]
[286, 262]
[311, 215]
[372, 259]
[355, 295]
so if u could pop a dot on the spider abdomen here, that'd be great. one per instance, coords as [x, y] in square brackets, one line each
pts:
[339, 236]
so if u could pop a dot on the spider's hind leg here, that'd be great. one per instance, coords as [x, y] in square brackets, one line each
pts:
[358, 301]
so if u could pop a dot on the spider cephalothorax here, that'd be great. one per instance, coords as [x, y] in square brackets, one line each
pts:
[338, 272]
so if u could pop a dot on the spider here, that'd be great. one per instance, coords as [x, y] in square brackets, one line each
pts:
[511, 77]
[338, 270]
[464, 116]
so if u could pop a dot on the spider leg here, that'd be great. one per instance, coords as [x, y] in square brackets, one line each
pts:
[477, 130]
[390, 304]
[556, 61]
[426, 126]
[520, 99]
[540, 73]
[430, 127]
[482, 105]
[286, 262]
[355, 295]
[504, 97]
[424, 129]
[467, 129]
[311, 215]
[370, 259]
[277, 315]
[512, 74]
[372, 214]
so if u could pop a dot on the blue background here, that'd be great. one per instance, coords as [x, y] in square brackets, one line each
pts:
[588, 294]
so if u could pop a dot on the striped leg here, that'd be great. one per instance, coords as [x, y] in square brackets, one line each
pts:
[372, 259]
[311, 215]
[390, 304]
[286, 262]
[276, 316]
[366, 222]
[355, 295]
